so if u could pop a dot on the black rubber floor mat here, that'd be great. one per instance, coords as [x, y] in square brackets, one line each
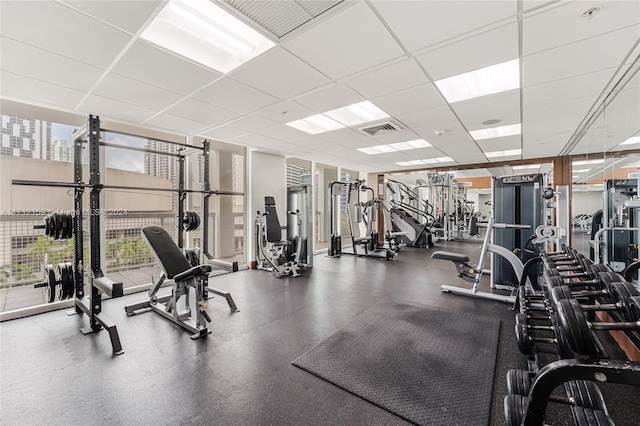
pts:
[428, 366]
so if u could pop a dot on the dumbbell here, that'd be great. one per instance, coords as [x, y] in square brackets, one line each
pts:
[576, 262]
[581, 393]
[516, 406]
[621, 293]
[527, 343]
[574, 325]
[596, 278]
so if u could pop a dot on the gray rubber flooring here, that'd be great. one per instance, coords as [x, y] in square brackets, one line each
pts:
[241, 374]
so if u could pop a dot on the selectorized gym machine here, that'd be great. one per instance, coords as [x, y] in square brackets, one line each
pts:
[285, 256]
[410, 215]
[362, 214]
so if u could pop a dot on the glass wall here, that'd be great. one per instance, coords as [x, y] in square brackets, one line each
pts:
[324, 175]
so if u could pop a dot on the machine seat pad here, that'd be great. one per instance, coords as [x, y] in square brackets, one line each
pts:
[195, 272]
[280, 243]
[446, 255]
[362, 239]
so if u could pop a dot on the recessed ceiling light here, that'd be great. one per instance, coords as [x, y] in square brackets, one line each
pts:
[205, 33]
[355, 114]
[632, 140]
[496, 132]
[315, 124]
[378, 149]
[414, 144]
[485, 81]
[585, 162]
[410, 163]
[507, 153]
[581, 170]
[491, 122]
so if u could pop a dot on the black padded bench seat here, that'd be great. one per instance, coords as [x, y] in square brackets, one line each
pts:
[447, 255]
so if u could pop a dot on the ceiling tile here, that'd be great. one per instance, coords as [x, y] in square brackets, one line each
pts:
[173, 123]
[285, 133]
[612, 16]
[59, 29]
[252, 123]
[500, 144]
[528, 5]
[349, 41]
[20, 58]
[224, 133]
[201, 111]
[285, 112]
[502, 106]
[126, 15]
[572, 107]
[30, 90]
[489, 48]
[329, 98]
[434, 118]
[424, 23]
[235, 96]
[280, 74]
[102, 106]
[349, 137]
[409, 100]
[311, 142]
[566, 89]
[389, 79]
[579, 58]
[135, 92]
[148, 63]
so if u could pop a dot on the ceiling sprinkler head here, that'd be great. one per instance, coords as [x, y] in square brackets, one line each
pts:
[589, 13]
[439, 132]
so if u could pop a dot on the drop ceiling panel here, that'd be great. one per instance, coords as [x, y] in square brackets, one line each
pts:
[311, 142]
[41, 93]
[59, 29]
[148, 63]
[403, 135]
[502, 106]
[224, 133]
[424, 23]
[500, 144]
[571, 107]
[612, 16]
[349, 137]
[252, 123]
[351, 40]
[329, 98]
[489, 48]
[433, 118]
[235, 96]
[32, 62]
[409, 100]
[392, 78]
[566, 89]
[284, 112]
[280, 74]
[174, 123]
[285, 133]
[528, 5]
[579, 58]
[126, 15]
[102, 106]
[128, 90]
[201, 111]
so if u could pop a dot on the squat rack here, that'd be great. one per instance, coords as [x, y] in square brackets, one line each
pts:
[100, 284]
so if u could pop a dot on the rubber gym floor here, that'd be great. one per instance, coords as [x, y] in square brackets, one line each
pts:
[241, 374]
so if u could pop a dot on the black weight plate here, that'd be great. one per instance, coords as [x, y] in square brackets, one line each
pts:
[555, 281]
[58, 222]
[607, 278]
[522, 339]
[515, 407]
[62, 272]
[72, 280]
[586, 394]
[634, 308]
[563, 346]
[70, 220]
[560, 293]
[567, 324]
[588, 344]
[47, 225]
[198, 221]
[599, 267]
[50, 278]
[518, 382]
[621, 292]
[521, 318]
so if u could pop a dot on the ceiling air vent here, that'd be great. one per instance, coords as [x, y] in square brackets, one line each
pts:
[387, 126]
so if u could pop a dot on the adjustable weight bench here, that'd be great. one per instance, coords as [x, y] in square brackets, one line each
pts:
[177, 268]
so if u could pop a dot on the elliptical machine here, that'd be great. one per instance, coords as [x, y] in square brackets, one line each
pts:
[280, 256]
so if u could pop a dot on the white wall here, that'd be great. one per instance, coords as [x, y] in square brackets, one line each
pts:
[586, 202]
[267, 177]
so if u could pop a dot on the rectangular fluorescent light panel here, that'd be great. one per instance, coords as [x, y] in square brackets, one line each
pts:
[437, 160]
[507, 153]
[581, 170]
[485, 81]
[204, 32]
[496, 132]
[632, 140]
[526, 166]
[315, 124]
[585, 162]
[410, 163]
[414, 144]
[378, 149]
[355, 114]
